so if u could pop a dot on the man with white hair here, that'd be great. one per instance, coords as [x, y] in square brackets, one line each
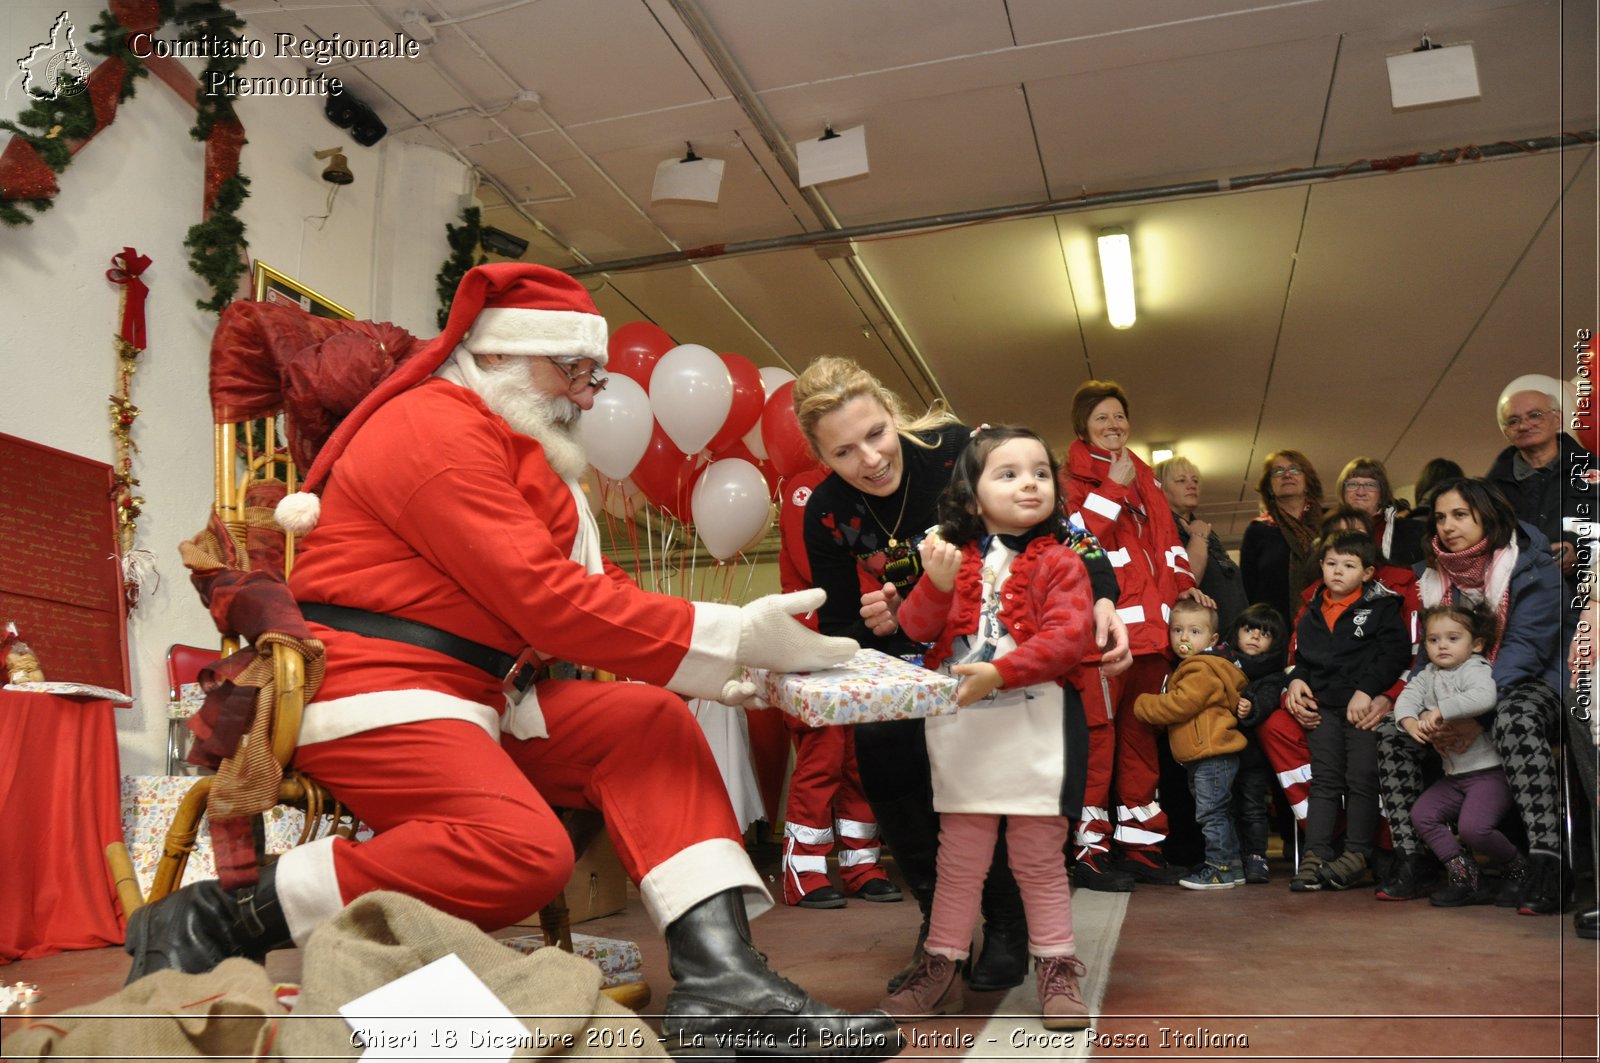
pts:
[1541, 472]
[452, 558]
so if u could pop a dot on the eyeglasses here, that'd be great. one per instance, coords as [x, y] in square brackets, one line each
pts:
[1280, 471]
[1533, 419]
[579, 378]
[1361, 485]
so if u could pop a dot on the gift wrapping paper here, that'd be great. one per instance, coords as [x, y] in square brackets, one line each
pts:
[869, 687]
[148, 804]
[619, 961]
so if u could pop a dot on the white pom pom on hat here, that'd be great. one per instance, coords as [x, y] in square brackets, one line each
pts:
[515, 308]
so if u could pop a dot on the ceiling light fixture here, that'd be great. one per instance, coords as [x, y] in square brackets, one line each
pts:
[1160, 452]
[1116, 277]
[833, 156]
[415, 24]
[1430, 74]
[690, 179]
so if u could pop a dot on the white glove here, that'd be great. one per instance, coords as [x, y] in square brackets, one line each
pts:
[770, 637]
[742, 694]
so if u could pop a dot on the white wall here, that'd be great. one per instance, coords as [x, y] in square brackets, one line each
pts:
[139, 183]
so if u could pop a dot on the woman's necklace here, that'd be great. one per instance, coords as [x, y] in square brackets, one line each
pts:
[905, 484]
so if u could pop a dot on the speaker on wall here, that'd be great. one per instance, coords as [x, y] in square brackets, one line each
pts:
[347, 112]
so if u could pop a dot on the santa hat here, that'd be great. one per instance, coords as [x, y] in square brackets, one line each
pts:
[511, 308]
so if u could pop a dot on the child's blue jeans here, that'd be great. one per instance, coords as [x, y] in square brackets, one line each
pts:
[1211, 782]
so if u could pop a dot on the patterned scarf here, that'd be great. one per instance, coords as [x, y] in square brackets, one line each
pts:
[1473, 575]
[1300, 534]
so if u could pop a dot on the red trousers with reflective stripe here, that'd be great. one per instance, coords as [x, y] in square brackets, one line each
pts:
[465, 824]
[826, 786]
[1122, 758]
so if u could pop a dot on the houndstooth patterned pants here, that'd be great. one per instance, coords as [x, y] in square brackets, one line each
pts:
[1523, 724]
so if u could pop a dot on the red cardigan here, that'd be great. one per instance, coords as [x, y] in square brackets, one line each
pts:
[1134, 525]
[1046, 605]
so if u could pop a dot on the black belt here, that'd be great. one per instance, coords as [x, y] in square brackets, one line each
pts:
[515, 673]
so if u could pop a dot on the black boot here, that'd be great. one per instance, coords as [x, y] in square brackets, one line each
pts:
[1003, 960]
[909, 827]
[203, 924]
[727, 1000]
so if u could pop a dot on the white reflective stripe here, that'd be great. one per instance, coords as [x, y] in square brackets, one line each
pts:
[857, 828]
[1118, 558]
[1142, 813]
[1091, 838]
[808, 835]
[1076, 517]
[1127, 835]
[1166, 613]
[1102, 505]
[1133, 614]
[1299, 808]
[1176, 554]
[857, 857]
[806, 863]
[1288, 778]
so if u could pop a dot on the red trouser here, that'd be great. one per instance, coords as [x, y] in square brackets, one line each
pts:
[825, 786]
[464, 823]
[1122, 754]
[1283, 741]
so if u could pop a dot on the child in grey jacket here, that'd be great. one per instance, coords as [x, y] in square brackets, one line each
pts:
[1458, 683]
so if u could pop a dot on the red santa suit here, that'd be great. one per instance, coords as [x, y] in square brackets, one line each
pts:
[825, 786]
[435, 510]
[1134, 525]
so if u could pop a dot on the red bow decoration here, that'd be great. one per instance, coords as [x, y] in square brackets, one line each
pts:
[125, 270]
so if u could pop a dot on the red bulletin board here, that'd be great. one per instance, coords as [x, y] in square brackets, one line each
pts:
[60, 578]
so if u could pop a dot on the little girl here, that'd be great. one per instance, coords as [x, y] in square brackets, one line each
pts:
[1458, 683]
[1007, 604]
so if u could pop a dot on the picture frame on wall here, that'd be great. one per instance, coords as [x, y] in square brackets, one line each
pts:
[272, 286]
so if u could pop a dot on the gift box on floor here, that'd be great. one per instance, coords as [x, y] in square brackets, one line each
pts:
[148, 804]
[870, 686]
[619, 961]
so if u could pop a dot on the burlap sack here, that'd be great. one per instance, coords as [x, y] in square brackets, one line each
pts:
[232, 1011]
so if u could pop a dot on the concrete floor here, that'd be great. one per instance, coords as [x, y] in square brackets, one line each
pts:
[1254, 973]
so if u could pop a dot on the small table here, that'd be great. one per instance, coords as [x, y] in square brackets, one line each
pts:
[59, 809]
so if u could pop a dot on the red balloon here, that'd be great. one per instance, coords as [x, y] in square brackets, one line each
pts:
[634, 350]
[666, 475]
[786, 445]
[749, 399]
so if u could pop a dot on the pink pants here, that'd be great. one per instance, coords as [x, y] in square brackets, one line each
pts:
[966, 846]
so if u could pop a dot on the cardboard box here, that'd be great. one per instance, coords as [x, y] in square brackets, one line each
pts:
[869, 687]
[599, 886]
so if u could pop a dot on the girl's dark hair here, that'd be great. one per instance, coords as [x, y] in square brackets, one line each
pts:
[959, 522]
[1488, 505]
[1340, 519]
[1432, 475]
[1261, 617]
[1477, 618]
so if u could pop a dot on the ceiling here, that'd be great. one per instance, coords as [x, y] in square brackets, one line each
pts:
[1337, 308]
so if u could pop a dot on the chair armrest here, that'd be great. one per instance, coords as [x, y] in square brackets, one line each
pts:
[289, 675]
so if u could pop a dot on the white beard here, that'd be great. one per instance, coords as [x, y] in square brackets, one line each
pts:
[553, 422]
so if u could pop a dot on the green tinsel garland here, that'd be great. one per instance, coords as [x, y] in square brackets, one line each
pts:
[217, 244]
[463, 240]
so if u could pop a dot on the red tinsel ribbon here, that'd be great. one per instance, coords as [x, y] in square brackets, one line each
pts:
[125, 270]
[222, 159]
[23, 174]
[105, 90]
[137, 15]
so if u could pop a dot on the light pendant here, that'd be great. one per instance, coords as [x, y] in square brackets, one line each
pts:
[1116, 276]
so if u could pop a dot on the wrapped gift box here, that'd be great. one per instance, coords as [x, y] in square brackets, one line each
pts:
[148, 804]
[870, 686]
[618, 960]
[190, 698]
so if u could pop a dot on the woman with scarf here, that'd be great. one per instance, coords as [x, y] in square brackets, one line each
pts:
[1364, 484]
[1275, 555]
[1112, 492]
[1480, 552]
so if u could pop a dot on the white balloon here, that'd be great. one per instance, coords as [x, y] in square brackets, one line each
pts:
[731, 506]
[620, 498]
[616, 431]
[691, 392]
[772, 378]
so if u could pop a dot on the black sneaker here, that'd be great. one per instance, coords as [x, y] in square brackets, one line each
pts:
[1255, 869]
[824, 897]
[1148, 866]
[1094, 872]
[1408, 879]
[881, 890]
[1513, 883]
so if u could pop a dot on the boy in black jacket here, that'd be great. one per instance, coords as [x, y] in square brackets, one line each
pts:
[1260, 641]
[1350, 645]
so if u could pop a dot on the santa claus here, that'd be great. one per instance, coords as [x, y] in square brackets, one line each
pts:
[452, 555]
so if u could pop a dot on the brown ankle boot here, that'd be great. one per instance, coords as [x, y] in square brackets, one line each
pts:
[933, 988]
[1060, 994]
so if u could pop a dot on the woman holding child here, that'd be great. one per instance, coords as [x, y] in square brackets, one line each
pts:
[1111, 491]
[869, 516]
[1480, 552]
